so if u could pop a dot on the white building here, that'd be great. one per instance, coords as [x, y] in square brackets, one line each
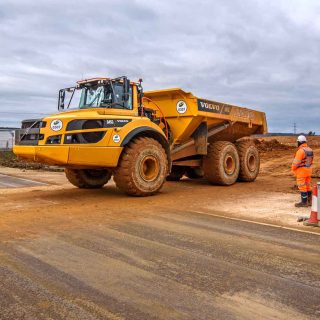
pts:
[6, 138]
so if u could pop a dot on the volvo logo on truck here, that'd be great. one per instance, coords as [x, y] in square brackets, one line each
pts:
[214, 107]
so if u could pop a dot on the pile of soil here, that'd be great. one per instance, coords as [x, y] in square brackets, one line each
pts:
[316, 173]
[270, 145]
[9, 159]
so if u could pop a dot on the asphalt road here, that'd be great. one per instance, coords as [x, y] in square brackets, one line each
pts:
[15, 182]
[171, 265]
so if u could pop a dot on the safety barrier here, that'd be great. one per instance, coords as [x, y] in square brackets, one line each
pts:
[314, 219]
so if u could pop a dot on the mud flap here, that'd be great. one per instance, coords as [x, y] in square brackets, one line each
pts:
[200, 137]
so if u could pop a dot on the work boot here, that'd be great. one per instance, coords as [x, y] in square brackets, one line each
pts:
[309, 198]
[302, 218]
[304, 200]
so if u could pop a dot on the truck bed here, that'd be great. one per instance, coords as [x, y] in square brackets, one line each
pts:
[185, 112]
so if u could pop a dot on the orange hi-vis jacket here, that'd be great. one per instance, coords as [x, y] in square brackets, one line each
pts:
[302, 163]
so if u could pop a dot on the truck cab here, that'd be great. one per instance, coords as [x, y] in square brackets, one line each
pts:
[96, 119]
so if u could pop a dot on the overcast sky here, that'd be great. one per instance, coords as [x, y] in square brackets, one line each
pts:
[260, 54]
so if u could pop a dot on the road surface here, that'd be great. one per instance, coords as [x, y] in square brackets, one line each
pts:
[16, 182]
[163, 265]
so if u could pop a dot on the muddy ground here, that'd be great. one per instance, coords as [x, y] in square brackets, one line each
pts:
[98, 254]
[269, 199]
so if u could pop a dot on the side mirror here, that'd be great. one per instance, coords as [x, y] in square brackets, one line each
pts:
[61, 98]
[126, 89]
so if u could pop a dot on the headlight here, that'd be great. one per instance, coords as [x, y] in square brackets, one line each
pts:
[54, 139]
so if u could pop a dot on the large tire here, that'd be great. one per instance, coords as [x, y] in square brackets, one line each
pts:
[221, 165]
[176, 173]
[142, 168]
[194, 173]
[249, 161]
[88, 178]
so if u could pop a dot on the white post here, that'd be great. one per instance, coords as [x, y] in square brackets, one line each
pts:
[12, 138]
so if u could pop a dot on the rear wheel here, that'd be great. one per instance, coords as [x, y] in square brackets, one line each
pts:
[142, 168]
[194, 173]
[249, 161]
[221, 165]
[176, 173]
[88, 178]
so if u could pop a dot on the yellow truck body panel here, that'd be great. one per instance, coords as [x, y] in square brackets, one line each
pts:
[104, 153]
[185, 112]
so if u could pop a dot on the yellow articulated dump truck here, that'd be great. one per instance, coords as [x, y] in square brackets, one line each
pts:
[109, 127]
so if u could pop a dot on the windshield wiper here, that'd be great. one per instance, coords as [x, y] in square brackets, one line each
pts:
[71, 98]
[95, 99]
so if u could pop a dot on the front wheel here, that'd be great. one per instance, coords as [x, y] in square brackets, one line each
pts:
[88, 178]
[142, 168]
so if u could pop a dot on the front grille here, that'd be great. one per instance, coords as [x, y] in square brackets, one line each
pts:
[29, 134]
[28, 137]
[33, 123]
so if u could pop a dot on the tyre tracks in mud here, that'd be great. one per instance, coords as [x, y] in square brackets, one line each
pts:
[168, 265]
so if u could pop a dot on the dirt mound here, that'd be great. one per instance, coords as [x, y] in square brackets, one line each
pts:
[316, 173]
[9, 159]
[270, 145]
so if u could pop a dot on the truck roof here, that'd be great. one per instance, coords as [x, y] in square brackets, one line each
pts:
[97, 79]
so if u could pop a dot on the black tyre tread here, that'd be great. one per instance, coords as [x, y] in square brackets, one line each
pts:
[122, 174]
[77, 178]
[211, 171]
[74, 178]
[213, 150]
[242, 147]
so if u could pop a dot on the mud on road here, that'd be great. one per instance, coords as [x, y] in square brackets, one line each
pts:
[168, 265]
[98, 254]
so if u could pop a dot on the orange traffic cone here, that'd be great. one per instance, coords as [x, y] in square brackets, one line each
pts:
[313, 220]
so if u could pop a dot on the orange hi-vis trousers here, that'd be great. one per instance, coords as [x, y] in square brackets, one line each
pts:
[302, 167]
[304, 183]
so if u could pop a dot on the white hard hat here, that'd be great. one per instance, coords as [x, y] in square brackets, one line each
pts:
[302, 139]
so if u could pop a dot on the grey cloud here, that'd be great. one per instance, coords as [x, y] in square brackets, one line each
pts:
[259, 54]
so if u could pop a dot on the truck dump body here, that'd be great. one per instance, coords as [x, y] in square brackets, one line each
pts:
[185, 112]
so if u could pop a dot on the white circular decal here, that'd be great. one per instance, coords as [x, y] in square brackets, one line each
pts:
[181, 106]
[116, 138]
[56, 125]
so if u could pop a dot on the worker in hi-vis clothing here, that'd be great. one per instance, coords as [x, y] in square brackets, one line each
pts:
[302, 168]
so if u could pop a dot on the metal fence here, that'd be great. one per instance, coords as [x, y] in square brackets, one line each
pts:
[6, 140]
[6, 144]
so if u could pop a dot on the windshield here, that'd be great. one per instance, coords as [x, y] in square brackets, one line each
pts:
[99, 96]
[92, 97]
